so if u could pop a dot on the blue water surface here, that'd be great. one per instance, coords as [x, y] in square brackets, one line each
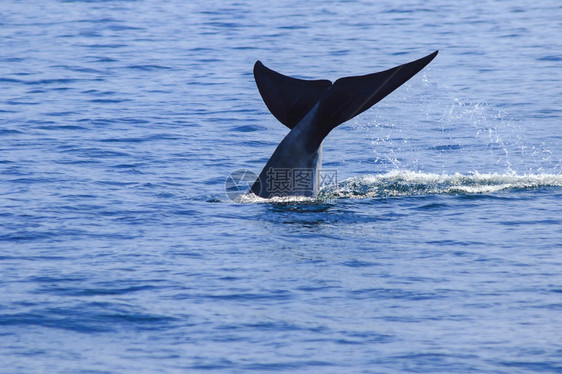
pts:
[438, 250]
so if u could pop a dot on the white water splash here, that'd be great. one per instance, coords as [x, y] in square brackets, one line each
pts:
[410, 183]
[250, 198]
[450, 130]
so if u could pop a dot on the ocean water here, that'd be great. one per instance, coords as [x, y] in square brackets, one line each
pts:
[438, 250]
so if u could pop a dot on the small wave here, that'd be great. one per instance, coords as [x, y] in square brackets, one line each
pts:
[281, 200]
[410, 183]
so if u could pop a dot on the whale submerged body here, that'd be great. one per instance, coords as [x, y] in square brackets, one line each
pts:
[311, 109]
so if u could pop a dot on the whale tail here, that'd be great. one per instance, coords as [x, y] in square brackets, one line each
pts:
[291, 99]
[311, 109]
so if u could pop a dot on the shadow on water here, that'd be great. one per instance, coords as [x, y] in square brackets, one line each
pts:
[300, 208]
[323, 217]
[305, 215]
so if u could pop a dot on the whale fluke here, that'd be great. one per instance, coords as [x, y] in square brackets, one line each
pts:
[311, 109]
[288, 99]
